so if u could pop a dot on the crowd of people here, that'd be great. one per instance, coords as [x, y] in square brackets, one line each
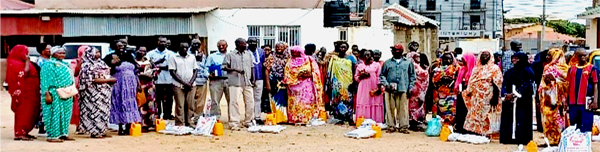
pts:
[469, 90]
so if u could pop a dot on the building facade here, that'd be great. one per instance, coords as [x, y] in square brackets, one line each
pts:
[592, 16]
[460, 18]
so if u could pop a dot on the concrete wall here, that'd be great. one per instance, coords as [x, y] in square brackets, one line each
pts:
[512, 32]
[425, 36]
[226, 4]
[591, 33]
[229, 24]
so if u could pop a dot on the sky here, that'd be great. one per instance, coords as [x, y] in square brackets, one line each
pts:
[556, 9]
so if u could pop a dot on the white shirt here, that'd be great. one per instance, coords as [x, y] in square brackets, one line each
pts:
[184, 68]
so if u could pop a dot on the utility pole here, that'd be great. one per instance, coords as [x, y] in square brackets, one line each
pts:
[543, 33]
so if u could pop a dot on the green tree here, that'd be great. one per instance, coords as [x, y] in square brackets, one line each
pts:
[560, 26]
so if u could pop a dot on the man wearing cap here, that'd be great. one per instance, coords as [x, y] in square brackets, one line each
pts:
[397, 76]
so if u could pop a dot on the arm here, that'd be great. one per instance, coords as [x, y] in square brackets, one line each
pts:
[594, 79]
[357, 75]
[77, 67]
[177, 78]
[382, 76]
[411, 76]
[227, 64]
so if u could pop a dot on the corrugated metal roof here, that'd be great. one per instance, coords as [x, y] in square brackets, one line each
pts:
[75, 26]
[113, 11]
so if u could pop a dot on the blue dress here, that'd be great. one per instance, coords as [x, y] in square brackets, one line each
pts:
[124, 104]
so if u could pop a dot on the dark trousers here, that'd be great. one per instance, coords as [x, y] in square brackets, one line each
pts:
[582, 117]
[164, 100]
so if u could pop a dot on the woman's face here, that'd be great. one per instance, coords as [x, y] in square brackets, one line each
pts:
[296, 53]
[279, 48]
[96, 54]
[548, 57]
[485, 57]
[321, 54]
[61, 54]
[368, 56]
[514, 60]
[447, 59]
[343, 48]
[417, 58]
[267, 50]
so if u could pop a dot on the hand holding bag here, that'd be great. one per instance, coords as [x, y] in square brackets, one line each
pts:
[67, 92]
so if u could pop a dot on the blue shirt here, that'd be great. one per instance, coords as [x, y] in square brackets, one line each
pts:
[401, 72]
[164, 77]
[259, 59]
[202, 72]
[213, 64]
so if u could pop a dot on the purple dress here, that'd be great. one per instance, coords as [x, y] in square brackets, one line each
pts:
[124, 104]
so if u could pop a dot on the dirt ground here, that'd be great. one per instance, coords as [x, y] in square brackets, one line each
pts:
[322, 138]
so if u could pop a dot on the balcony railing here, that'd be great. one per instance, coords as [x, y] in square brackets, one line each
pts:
[428, 8]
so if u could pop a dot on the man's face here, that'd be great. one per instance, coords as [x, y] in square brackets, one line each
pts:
[222, 45]
[143, 49]
[162, 43]
[397, 53]
[120, 46]
[183, 48]
[377, 56]
[354, 48]
[514, 60]
[196, 45]
[241, 45]
[343, 49]
[252, 43]
[447, 59]
[581, 56]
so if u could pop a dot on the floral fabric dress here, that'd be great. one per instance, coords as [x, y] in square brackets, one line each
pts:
[339, 77]
[444, 96]
[478, 95]
[553, 97]
[416, 101]
[305, 95]
[276, 64]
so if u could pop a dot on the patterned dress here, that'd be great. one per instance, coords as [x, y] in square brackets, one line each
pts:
[94, 98]
[416, 102]
[56, 74]
[478, 95]
[124, 103]
[305, 95]
[339, 77]
[444, 96]
[276, 65]
[554, 115]
[24, 90]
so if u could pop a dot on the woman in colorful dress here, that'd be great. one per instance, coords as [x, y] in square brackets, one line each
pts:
[56, 74]
[416, 102]
[94, 91]
[467, 62]
[515, 127]
[24, 81]
[553, 93]
[124, 110]
[339, 77]
[275, 65]
[369, 99]
[444, 96]
[305, 90]
[146, 76]
[482, 96]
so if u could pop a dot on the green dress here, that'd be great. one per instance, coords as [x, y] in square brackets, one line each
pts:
[56, 74]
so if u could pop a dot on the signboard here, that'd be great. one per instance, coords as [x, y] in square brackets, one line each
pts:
[460, 33]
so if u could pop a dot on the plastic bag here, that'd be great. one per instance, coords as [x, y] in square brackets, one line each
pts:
[205, 126]
[573, 140]
[445, 133]
[494, 122]
[434, 126]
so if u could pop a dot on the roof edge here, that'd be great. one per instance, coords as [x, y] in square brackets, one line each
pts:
[112, 11]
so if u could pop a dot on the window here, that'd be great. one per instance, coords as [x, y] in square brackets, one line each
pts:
[404, 3]
[272, 34]
[475, 4]
[343, 34]
[430, 5]
[475, 22]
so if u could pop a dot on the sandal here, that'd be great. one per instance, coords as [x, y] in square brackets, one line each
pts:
[54, 140]
[30, 136]
[404, 131]
[65, 138]
[391, 130]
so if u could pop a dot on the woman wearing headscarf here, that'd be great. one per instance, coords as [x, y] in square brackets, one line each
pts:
[305, 89]
[553, 93]
[56, 74]
[482, 95]
[416, 105]
[24, 81]
[467, 62]
[274, 67]
[538, 68]
[146, 76]
[339, 77]
[95, 93]
[76, 66]
[515, 127]
[369, 99]
[444, 96]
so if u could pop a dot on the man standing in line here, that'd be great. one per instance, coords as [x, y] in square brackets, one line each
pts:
[397, 76]
[309, 49]
[164, 83]
[201, 74]
[258, 73]
[218, 79]
[240, 75]
[182, 68]
[515, 46]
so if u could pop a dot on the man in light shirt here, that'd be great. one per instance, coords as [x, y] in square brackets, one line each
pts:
[182, 68]
[238, 65]
[164, 83]
[218, 79]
